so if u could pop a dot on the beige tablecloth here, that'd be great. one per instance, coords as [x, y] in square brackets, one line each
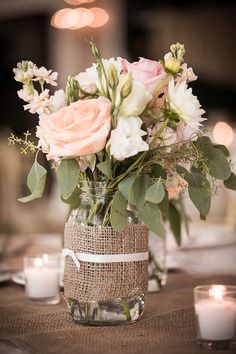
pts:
[167, 327]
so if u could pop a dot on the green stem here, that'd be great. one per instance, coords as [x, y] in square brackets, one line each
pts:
[126, 309]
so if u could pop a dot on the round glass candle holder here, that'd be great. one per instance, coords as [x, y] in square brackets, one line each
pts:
[42, 275]
[215, 310]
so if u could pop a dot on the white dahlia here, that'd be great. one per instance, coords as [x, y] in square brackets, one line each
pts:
[185, 104]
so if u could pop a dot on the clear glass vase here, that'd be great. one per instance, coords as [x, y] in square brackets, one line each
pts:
[92, 215]
[157, 268]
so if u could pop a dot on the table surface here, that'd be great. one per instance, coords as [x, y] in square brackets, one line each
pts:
[167, 327]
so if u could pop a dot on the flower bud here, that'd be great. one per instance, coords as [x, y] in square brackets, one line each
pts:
[127, 87]
[95, 50]
[172, 65]
[72, 89]
[113, 77]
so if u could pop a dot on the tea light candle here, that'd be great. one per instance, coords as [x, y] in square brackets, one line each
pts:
[42, 278]
[215, 308]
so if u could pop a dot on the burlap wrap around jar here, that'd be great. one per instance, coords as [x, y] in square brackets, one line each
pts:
[105, 281]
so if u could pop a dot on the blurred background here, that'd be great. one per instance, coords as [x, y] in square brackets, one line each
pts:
[29, 30]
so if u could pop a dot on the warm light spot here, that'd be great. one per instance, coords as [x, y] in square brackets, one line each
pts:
[100, 17]
[72, 18]
[223, 133]
[217, 292]
[78, 2]
[38, 262]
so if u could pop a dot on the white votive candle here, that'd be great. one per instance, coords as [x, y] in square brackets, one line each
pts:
[42, 278]
[215, 308]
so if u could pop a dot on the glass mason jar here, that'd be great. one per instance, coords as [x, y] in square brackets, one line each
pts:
[92, 215]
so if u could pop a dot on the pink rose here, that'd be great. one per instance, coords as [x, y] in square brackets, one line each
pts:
[78, 129]
[148, 72]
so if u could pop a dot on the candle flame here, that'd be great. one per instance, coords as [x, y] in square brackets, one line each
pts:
[38, 262]
[217, 292]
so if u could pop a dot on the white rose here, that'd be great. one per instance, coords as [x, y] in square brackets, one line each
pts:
[126, 140]
[57, 101]
[136, 102]
[87, 82]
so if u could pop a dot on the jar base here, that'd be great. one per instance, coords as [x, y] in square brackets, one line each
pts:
[107, 313]
[217, 344]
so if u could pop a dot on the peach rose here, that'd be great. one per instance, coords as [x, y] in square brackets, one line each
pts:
[78, 129]
[148, 72]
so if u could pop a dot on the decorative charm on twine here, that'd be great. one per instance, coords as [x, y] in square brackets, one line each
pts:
[103, 264]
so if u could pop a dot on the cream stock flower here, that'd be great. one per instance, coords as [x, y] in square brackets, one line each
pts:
[185, 104]
[58, 100]
[39, 103]
[46, 75]
[126, 140]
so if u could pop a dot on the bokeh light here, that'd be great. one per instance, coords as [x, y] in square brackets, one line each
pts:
[78, 2]
[223, 134]
[72, 18]
[100, 17]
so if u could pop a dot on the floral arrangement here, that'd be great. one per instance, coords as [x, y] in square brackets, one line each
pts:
[135, 126]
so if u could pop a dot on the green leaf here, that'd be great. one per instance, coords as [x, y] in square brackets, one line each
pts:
[68, 176]
[199, 193]
[118, 216]
[222, 148]
[156, 193]
[151, 216]
[202, 217]
[36, 182]
[164, 205]
[125, 186]
[158, 171]
[185, 174]
[230, 183]
[138, 190]
[74, 200]
[105, 168]
[175, 222]
[217, 163]
[203, 143]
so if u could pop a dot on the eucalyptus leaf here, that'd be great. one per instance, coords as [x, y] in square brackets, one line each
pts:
[105, 168]
[158, 171]
[164, 205]
[118, 216]
[199, 193]
[175, 222]
[138, 190]
[222, 148]
[151, 216]
[74, 199]
[185, 174]
[36, 182]
[217, 163]
[125, 186]
[230, 183]
[156, 193]
[68, 176]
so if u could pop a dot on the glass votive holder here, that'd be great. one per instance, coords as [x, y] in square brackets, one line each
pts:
[215, 309]
[42, 274]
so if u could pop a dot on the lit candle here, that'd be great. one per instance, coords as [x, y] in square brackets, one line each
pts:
[42, 279]
[215, 308]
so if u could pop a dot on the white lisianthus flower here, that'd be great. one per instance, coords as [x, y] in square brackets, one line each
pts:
[185, 104]
[126, 140]
[136, 102]
[46, 75]
[58, 100]
[39, 103]
[93, 74]
[25, 94]
[87, 82]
